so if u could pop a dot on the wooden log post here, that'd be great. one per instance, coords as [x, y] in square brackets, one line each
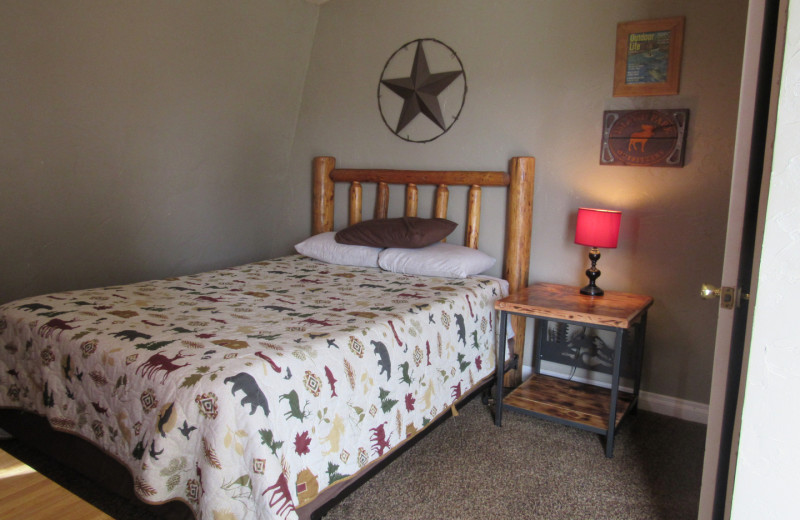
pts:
[412, 200]
[382, 201]
[354, 213]
[322, 195]
[518, 247]
[473, 217]
[442, 196]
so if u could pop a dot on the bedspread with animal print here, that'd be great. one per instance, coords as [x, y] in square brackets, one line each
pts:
[246, 391]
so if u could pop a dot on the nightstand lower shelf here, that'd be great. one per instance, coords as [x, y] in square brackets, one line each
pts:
[568, 402]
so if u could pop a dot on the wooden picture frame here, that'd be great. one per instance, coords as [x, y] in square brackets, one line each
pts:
[648, 57]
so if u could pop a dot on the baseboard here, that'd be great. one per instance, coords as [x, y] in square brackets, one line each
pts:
[674, 407]
[652, 402]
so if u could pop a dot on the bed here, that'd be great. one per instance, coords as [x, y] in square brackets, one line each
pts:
[265, 390]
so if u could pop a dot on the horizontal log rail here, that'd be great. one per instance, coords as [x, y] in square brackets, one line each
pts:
[450, 178]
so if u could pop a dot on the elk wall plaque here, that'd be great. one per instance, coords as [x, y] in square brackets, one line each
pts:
[644, 137]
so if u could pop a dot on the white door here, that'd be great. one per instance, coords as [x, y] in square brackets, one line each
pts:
[752, 154]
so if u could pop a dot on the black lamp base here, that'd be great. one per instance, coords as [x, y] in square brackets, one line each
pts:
[592, 290]
[593, 273]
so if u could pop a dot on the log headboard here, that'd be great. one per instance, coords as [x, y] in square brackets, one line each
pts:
[519, 179]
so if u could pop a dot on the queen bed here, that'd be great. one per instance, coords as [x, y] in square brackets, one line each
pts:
[267, 390]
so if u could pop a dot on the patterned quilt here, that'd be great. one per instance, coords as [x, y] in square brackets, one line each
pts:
[246, 391]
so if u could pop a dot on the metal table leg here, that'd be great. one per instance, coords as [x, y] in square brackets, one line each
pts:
[500, 366]
[612, 414]
[638, 345]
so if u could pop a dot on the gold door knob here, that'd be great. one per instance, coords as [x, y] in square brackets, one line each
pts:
[709, 292]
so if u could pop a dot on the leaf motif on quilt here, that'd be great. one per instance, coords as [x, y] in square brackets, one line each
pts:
[173, 481]
[173, 470]
[305, 350]
[269, 441]
[351, 378]
[399, 424]
[62, 423]
[359, 413]
[302, 441]
[368, 382]
[211, 455]
[142, 488]
[191, 380]
[409, 402]
[232, 438]
[98, 377]
[242, 487]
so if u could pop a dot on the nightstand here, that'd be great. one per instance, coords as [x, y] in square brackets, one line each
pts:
[584, 406]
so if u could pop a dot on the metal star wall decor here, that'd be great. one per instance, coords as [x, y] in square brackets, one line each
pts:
[439, 96]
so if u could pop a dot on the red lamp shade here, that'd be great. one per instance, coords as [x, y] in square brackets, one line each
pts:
[597, 227]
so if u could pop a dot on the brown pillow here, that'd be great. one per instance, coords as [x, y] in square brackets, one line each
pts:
[408, 232]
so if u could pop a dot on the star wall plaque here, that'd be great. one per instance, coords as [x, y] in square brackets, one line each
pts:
[422, 90]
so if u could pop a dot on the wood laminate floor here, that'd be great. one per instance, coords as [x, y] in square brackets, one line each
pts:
[24, 493]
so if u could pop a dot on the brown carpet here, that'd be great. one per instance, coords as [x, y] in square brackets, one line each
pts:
[529, 469]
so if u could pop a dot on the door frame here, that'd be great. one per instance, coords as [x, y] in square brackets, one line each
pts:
[763, 52]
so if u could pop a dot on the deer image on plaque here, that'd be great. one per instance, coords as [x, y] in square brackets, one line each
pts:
[644, 137]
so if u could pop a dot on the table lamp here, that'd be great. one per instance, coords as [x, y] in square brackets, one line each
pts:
[596, 228]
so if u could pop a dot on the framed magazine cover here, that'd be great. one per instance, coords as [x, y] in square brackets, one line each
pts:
[648, 57]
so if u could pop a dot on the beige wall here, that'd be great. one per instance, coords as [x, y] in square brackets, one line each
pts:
[139, 139]
[540, 74]
[153, 138]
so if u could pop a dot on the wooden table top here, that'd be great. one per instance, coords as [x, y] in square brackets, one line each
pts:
[564, 302]
[24, 493]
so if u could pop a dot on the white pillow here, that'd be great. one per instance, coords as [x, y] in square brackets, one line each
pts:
[440, 259]
[324, 247]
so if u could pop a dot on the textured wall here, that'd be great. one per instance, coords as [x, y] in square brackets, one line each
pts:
[540, 74]
[769, 454]
[153, 138]
[138, 139]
